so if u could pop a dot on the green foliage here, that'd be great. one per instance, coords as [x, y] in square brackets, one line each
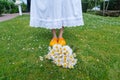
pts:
[89, 4]
[24, 7]
[12, 8]
[9, 7]
[2, 3]
[113, 5]
[84, 6]
[96, 44]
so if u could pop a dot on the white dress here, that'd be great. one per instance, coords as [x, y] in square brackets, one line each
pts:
[53, 14]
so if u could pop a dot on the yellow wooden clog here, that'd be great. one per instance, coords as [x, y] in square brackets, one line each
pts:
[61, 41]
[53, 41]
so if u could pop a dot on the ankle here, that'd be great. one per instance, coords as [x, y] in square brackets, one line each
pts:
[54, 37]
[60, 37]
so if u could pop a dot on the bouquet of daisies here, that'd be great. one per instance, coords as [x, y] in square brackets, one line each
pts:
[62, 56]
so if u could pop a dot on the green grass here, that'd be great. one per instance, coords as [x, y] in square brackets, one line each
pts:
[97, 45]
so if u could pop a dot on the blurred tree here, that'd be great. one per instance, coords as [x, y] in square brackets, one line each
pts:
[113, 5]
[28, 5]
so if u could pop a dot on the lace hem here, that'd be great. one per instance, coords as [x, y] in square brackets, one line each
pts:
[57, 23]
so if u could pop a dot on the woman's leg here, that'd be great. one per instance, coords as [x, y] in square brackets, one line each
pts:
[61, 32]
[54, 39]
[54, 33]
[61, 40]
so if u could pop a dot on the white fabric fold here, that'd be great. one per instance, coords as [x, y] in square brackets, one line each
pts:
[53, 14]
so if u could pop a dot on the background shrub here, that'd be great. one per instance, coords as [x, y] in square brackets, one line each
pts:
[84, 5]
[113, 5]
[24, 7]
[2, 3]
[9, 7]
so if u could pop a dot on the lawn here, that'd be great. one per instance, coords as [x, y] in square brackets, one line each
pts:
[96, 44]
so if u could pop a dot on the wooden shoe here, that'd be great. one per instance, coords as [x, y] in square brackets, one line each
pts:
[61, 41]
[53, 41]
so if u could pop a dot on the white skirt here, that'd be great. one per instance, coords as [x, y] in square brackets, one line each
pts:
[53, 14]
